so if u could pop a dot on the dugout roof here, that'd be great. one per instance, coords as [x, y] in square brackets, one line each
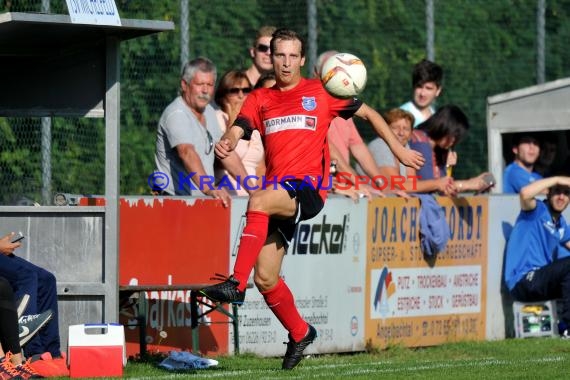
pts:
[53, 67]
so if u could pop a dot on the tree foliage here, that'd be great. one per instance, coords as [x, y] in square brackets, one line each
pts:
[486, 47]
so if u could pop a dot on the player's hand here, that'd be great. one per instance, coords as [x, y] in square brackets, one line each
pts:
[411, 158]
[223, 148]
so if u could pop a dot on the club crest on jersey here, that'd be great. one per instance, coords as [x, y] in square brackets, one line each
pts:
[309, 103]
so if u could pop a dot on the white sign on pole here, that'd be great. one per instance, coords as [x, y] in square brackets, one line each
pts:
[93, 12]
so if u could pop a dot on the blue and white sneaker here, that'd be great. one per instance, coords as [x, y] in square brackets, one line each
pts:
[29, 325]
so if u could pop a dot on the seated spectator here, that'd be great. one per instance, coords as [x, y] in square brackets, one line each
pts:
[520, 172]
[435, 139]
[400, 122]
[534, 271]
[12, 362]
[230, 95]
[427, 79]
[24, 277]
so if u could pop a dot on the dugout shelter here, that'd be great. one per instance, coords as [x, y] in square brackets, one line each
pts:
[538, 110]
[53, 66]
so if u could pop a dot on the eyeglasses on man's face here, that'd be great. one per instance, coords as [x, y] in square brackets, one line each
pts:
[237, 90]
[262, 48]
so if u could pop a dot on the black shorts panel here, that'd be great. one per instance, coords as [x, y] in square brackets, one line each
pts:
[309, 205]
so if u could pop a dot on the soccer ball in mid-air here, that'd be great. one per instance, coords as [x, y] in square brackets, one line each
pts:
[343, 75]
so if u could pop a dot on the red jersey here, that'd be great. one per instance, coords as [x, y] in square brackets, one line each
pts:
[293, 125]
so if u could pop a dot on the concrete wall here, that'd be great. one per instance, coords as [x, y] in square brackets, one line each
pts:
[67, 241]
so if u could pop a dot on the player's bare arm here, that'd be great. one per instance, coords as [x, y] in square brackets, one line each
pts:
[408, 157]
[233, 164]
[529, 192]
[228, 142]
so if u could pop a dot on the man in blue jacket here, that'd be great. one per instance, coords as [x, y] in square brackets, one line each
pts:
[537, 266]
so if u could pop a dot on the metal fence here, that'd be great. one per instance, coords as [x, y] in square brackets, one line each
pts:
[485, 47]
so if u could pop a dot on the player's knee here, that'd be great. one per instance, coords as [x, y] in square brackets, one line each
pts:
[256, 202]
[264, 283]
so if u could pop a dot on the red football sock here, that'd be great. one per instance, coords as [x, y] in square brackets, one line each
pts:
[252, 240]
[280, 301]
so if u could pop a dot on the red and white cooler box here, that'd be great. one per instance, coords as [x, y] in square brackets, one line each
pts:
[96, 350]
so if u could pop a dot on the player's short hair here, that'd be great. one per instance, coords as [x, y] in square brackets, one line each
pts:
[287, 35]
[427, 71]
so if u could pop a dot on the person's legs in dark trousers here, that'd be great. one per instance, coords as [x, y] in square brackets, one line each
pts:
[547, 283]
[47, 300]
[40, 285]
[8, 319]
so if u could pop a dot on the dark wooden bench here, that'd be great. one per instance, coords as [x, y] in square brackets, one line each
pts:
[126, 291]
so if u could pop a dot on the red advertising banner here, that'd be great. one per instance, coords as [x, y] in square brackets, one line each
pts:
[168, 241]
[421, 301]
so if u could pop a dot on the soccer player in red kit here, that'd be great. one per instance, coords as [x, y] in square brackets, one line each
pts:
[293, 118]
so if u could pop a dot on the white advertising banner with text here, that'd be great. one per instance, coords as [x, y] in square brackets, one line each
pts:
[325, 269]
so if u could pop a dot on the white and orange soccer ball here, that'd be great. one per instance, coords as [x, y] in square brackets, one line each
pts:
[343, 75]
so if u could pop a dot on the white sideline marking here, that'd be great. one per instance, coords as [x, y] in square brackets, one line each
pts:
[302, 371]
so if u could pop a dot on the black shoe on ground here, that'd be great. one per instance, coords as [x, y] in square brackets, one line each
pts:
[294, 352]
[225, 291]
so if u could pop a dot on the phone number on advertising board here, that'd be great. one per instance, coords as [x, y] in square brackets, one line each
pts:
[445, 327]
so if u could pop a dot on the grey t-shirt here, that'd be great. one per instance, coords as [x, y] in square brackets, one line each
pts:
[178, 125]
[383, 155]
